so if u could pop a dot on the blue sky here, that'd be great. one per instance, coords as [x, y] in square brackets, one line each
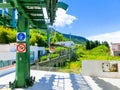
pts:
[92, 18]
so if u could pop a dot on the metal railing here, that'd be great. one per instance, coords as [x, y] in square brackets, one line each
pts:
[56, 64]
[6, 63]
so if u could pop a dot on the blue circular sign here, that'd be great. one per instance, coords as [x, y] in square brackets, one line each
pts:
[21, 36]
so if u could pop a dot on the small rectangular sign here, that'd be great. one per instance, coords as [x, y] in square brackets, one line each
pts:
[110, 67]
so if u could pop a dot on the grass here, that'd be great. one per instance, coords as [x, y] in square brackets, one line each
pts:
[98, 53]
[71, 67]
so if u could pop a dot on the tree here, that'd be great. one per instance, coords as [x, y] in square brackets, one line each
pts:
[88, 45]
[12, 36]
[7, 35]
[58, 37]
[3, 37]
[105, 43]
[41, 40]
[92, 44]
[97, 43]
[37, 37]
[33, 39]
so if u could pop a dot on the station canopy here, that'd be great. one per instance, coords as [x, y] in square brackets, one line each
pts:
[40, 13]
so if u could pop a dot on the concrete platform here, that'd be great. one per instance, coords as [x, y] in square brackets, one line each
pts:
[63, 81]
[99, 83]
[49, 81]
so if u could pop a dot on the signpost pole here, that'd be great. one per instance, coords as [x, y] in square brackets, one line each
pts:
[23, 78]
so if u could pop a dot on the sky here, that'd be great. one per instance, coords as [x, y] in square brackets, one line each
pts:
[92, 19]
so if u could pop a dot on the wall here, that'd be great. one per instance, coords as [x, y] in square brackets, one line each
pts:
[116, 53]
[4, 47]
[7, 55]
[35, 49]
[7, 70]
[100, 68]
[8, 52]
[115, 49]
[42, 49]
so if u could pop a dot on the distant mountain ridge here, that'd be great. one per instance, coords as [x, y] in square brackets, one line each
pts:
[76, 39]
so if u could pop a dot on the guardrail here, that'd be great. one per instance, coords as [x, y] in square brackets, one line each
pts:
[56, 61]
[51, 64]
[4, 63]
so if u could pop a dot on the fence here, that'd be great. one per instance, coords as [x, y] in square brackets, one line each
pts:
[7, 58]
[5, 63]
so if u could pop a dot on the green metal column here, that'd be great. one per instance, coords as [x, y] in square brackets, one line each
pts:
[23, 78]
[22, 58]
[48, 35]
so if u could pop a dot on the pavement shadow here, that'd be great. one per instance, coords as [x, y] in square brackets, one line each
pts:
[2, 86]
[45, 83]
[61, 82]
[79, 83]
[104, 85]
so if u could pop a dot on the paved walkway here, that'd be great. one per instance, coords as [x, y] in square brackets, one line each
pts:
[50, 81]
[63, 81]
[98, 83]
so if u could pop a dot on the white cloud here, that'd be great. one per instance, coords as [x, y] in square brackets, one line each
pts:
[63, 19]
[113, 37]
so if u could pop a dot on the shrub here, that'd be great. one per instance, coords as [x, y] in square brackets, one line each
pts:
[53, 55]
[43, 58]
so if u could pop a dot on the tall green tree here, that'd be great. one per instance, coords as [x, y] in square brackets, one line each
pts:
[37, 37]
[92, 44]
[33, 38]
[58, 37]
[12, 36]
[7, 35]
[88, 45]
[97, 43]
[41, 40]
[3, 37]
[105, 43]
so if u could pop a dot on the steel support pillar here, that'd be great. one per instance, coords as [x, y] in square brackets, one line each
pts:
[13, 20]
[22, 79]
[48, 36]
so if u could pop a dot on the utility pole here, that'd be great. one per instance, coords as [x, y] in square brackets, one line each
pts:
[70, 47]
[70, 36]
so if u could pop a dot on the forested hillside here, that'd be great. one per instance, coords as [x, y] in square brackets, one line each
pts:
[76, 39]
[39, 37]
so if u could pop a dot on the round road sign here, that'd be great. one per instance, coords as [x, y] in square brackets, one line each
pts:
[21, 36]
[52, 49]
[21, 47]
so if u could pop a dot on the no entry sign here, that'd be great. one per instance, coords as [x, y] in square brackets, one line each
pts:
[21, 47]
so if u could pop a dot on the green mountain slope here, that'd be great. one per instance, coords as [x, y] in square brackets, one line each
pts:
[76, 39]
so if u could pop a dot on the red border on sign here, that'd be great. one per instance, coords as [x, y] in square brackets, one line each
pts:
[23, 49]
